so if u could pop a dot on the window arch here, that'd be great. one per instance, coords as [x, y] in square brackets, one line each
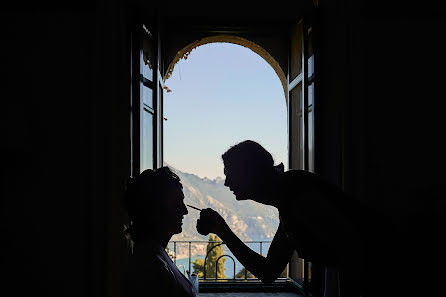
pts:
[184, 53]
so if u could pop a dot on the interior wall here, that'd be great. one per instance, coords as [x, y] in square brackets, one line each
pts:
[64, 149]
[111, 144]
[379, 93]
[380, 137]
[403, 85]
[404, 147]
[45, 151]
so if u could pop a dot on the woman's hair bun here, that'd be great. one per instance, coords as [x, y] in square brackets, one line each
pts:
[130, 182]
[280, 168]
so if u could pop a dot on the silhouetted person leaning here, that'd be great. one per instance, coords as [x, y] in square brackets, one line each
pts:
[317, 219]
[154, 202]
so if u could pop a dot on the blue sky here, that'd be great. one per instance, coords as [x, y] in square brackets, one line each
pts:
[221, 95]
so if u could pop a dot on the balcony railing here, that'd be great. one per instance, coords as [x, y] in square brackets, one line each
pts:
[261, 246]
[295, 282]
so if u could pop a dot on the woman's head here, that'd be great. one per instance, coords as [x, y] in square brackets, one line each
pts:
[154, 203]
[248, 168]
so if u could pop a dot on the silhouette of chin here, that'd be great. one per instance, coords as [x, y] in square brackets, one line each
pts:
[240, 198]
[179, 228]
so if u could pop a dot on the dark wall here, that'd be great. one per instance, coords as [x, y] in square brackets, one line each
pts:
[380, 103]
[64, 149]
[46, 141]
[381, 125]
[403, 90]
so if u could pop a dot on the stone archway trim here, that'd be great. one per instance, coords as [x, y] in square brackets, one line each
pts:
[184, 53]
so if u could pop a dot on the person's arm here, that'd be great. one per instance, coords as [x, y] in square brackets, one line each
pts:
[268, 268]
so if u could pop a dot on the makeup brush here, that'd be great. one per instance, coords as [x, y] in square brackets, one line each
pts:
[193, 207]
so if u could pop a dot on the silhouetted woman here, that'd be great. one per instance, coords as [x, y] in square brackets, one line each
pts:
[154, 203]
[317, 219]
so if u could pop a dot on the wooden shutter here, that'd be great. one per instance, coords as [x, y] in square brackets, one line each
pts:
[146, 98]
[301, 121]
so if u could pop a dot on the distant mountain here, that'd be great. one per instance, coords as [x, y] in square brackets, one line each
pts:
[248, 219]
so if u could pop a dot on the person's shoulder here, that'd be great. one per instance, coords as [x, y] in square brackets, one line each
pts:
[149, 261]
[299, 172]
[150, 273]
[307, 177]
[294, 181]
[156, 263]
[300, 177]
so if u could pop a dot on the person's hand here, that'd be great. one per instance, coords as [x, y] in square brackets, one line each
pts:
[210, 222]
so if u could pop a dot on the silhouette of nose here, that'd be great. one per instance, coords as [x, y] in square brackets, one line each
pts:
[184, 210]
